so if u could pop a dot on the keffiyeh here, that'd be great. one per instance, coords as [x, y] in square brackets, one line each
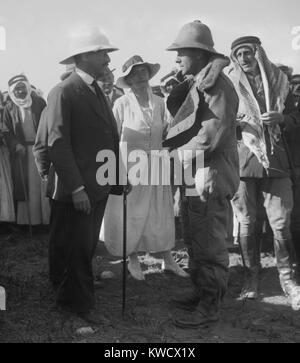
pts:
[276, 88]
[12, 84]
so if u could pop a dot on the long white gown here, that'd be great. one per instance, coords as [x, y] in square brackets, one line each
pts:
[39, 207]
[150, 216]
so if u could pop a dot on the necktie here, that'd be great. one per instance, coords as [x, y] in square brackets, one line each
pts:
[102, 100]
[98, 91]
[109, 101]
[105, 107]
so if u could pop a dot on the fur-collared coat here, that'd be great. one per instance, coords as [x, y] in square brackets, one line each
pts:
[212, 132]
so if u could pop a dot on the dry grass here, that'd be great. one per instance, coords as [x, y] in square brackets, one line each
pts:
[32, 315]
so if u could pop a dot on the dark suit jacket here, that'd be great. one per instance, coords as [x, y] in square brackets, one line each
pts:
[79, 126]
[213, 132]
[40, 148]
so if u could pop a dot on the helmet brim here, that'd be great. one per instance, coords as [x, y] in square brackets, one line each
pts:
[70, 59]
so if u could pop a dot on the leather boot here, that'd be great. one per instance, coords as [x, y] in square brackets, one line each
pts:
[250, 258]
[284, 256]
[258, 237]
[283, 253]
[292, 291]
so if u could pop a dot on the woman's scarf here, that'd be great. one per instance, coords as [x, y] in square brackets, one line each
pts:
[276, 88]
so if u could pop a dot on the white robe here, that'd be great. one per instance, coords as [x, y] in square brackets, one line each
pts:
[38, 204]
[150, 216]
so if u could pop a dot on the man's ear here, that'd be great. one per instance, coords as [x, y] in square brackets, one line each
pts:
[200, 55]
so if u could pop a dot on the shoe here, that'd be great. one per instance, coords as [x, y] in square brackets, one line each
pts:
[174, 268]
[136, 271]
[292, 291]
[251, 260]
[94, 318]
[187, 302]
[195, 319]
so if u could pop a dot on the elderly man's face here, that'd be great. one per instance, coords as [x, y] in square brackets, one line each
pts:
[20, 91]
[246, 59]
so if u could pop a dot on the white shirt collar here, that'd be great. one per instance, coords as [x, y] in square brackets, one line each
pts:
[87, 78]
[110, 96]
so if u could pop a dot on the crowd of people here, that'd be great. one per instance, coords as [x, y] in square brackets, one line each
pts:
[240, 113]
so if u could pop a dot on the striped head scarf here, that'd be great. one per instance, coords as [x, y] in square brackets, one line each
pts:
[12, 84]
[276, 88]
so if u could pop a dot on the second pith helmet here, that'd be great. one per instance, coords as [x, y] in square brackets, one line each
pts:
[194, 35]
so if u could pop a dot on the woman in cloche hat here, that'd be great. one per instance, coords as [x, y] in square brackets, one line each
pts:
[141, 118]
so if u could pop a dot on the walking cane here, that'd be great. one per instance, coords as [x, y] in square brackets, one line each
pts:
[26, 198]
[124, 250]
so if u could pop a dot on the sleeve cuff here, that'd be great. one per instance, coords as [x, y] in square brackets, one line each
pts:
[78, 190]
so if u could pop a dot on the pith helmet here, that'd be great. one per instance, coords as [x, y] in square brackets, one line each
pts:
[87, 39]
[194, 35]
[69, 69]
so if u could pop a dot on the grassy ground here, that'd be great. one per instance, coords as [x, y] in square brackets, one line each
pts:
[31, 314]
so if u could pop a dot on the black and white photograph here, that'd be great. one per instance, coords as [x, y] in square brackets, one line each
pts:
[150, 174]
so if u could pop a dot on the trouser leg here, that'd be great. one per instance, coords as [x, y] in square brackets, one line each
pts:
[57, 241]
[295, 221]
[245, 204]
[209, 256]
[184, 217]
[77, 287]
[278, 202]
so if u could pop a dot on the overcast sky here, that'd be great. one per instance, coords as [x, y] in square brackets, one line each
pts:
[37, 31]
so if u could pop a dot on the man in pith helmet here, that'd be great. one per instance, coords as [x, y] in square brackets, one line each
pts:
[80, 124]
[204, 108]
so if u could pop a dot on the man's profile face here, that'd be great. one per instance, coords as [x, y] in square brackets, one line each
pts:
[246, 59]
[20, 91]
[188, 61]
[98, 62]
